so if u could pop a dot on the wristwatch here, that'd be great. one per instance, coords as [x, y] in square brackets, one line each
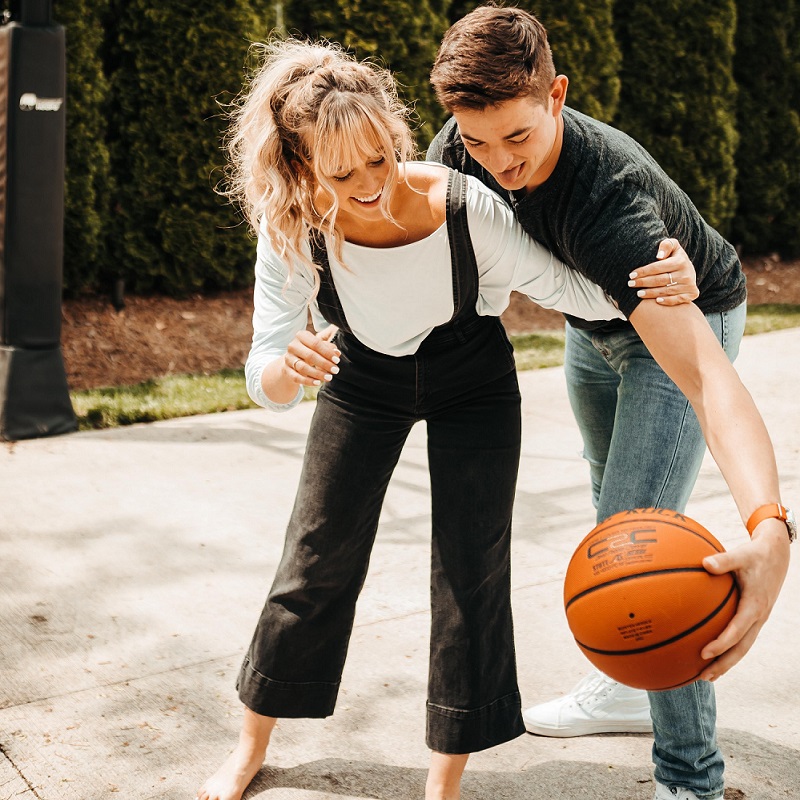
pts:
[773, 510]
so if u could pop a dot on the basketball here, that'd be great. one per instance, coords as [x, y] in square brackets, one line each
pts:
[639, 602]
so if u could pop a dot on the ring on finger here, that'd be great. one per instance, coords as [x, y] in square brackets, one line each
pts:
[295, 363]
[672, 281]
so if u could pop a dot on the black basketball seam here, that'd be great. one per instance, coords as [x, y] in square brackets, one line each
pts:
[678, 685]
[623, 578]
[654, 518]
[640, 650]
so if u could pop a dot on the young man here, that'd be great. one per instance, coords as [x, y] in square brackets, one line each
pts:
[599, 201]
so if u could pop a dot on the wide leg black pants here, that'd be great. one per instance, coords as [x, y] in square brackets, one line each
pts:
[463, 384]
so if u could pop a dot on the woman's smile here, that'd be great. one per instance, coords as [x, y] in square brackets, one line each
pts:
[371, 200]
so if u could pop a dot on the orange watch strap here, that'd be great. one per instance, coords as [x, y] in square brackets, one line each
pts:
[765, 512]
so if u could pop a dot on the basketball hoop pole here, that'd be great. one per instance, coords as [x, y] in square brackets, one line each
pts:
[34, 398]
[34, 13]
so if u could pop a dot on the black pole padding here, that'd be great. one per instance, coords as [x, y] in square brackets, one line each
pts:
[35, 13]
[34, 395]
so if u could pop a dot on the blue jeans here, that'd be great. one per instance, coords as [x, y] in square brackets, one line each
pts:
[645, 447]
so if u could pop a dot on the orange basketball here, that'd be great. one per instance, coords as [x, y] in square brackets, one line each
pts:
[639, 602]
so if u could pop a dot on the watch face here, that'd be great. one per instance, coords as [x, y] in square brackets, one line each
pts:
[791, 524]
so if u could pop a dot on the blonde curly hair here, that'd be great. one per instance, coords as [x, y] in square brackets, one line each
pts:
[310, 110]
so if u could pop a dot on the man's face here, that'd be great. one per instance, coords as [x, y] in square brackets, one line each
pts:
[518, 141]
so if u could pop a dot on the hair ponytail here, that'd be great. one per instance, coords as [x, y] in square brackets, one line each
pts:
[307, 96]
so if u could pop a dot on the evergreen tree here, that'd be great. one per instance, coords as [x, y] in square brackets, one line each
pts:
[767, 74]
[173, 66]
[87, 175]
[585, 49]
[403, 35]
[678, 95]
[460, 8]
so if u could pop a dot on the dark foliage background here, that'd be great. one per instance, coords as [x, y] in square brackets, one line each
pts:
[710, 87]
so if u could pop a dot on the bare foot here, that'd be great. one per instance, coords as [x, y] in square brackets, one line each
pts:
[241, 766]
[444, 776]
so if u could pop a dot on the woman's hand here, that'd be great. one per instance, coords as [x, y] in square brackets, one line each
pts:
[670, 280]
[760, 567]
[311, 358]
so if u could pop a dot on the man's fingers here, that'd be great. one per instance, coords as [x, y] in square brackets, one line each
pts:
[730, 656]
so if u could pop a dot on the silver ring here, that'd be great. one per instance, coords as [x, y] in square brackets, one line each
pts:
[671, 282]
[295, 363]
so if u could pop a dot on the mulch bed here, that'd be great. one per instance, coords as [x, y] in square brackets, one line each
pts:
[156, 336]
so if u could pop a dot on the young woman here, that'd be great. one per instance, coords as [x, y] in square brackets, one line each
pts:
[412, 263]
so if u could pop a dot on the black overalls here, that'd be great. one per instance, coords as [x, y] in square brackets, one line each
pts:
[462, 382]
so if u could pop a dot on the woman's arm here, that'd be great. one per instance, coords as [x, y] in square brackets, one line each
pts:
[685, 347]
[510, 260]
[283, 354]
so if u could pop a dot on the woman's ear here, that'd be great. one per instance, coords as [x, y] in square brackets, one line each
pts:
[302, 170]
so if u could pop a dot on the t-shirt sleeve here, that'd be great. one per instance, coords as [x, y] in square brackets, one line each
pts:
[438, 150]
[280, 311]
[510, 260]
[623, 235]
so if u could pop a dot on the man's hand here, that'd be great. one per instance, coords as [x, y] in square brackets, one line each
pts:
[760, 567]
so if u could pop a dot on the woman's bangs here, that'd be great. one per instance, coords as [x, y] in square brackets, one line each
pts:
[351, 136]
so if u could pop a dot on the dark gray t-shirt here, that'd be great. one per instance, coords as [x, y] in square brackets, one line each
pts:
[604, 210]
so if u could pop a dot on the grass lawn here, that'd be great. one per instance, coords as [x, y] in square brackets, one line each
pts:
[187, 395]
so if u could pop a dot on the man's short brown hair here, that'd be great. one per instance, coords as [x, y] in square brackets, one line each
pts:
[492, 55]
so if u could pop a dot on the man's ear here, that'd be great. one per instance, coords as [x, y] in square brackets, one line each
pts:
[558, 93]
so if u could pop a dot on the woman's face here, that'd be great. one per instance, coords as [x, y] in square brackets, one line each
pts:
[358, 188]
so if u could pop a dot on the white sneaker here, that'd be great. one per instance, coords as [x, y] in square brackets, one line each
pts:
[673, 793]
[596, 705]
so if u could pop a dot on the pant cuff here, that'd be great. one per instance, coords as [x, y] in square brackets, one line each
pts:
[455, 731]
[272, 698]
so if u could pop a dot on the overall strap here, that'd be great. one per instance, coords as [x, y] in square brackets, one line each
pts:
[464, 267]
[464, 264]
[330, 305]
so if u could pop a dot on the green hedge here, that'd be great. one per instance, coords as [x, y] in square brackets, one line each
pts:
[678, 95]
[767, 71]
[146, 80]
[88, 182]
[173, 66]
[403, 35]
[585, 49]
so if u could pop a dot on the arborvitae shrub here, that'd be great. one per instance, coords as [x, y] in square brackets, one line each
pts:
[767, 71]
[585, 49]
[173, 65]
[678, 95]
[403, 35]
[88, 176]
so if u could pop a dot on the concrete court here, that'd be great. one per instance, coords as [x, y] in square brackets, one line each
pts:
[134, 562]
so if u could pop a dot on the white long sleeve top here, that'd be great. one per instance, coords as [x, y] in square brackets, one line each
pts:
[394, 297]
